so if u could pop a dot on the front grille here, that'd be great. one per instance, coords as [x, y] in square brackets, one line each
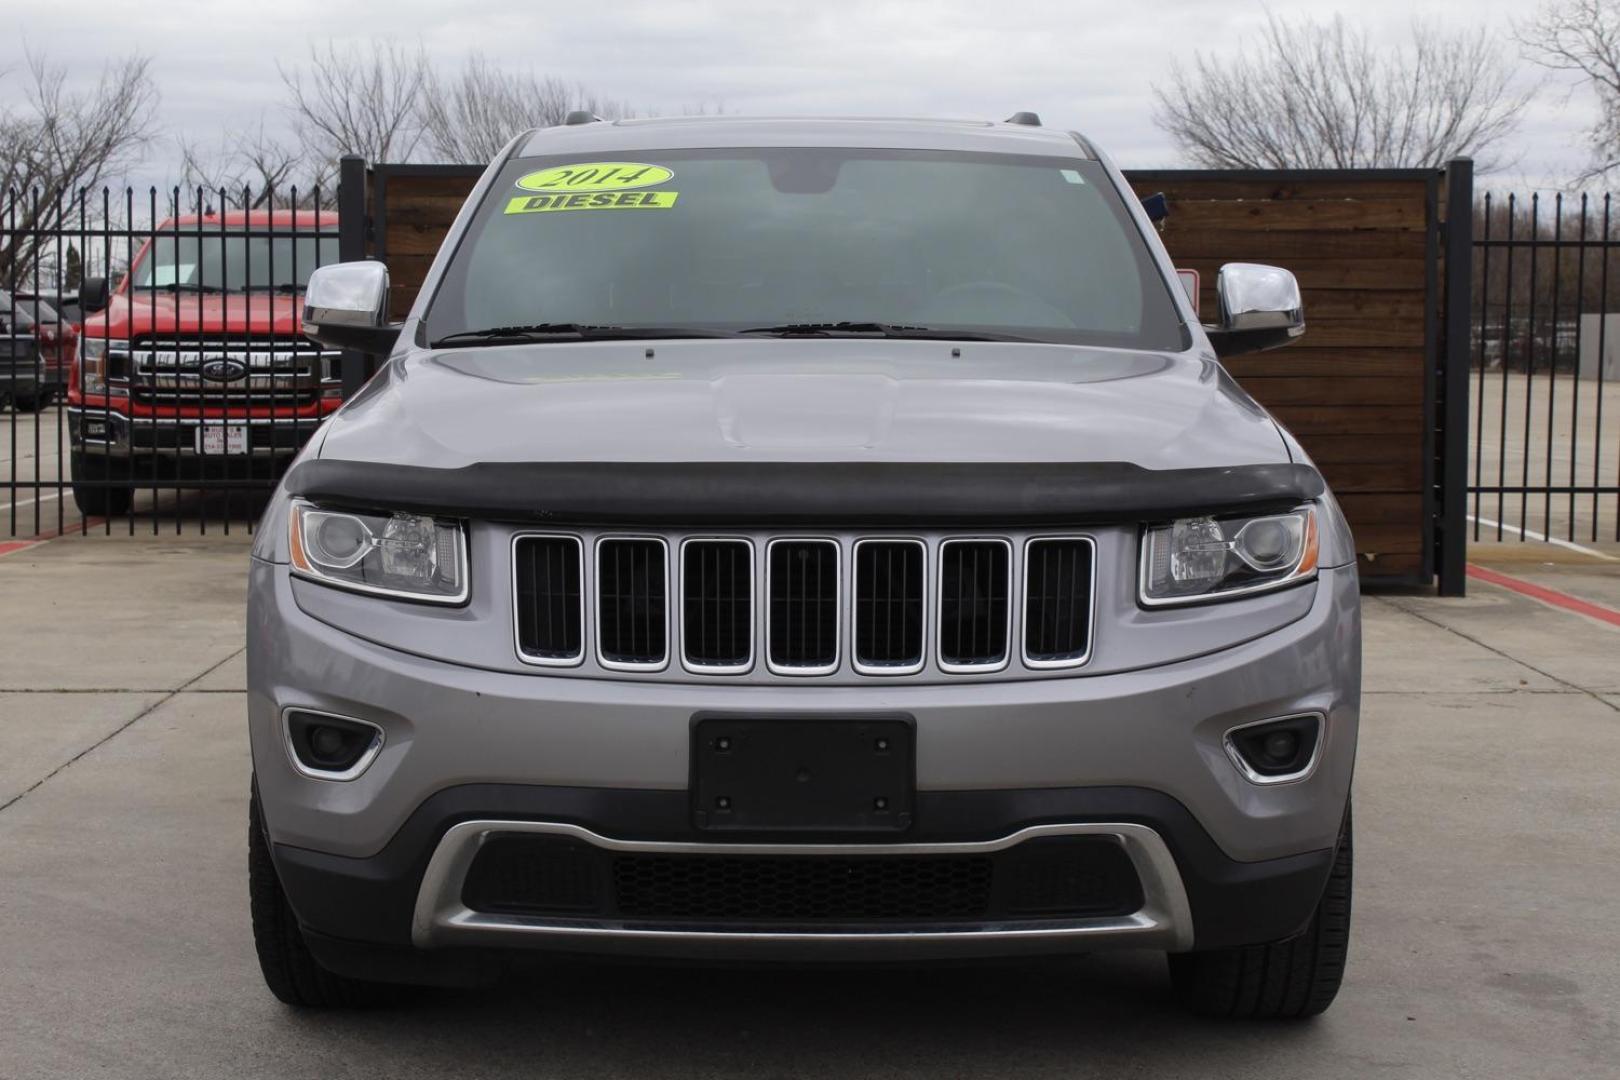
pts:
[803, 620]
[631, 603]
[547, 593]
[1057, 601]
[717, 604]
[1047, 878]
[974, 585]
[889, 605]
[275, 373]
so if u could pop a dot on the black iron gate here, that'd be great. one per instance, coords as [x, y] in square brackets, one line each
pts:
[1544, 455]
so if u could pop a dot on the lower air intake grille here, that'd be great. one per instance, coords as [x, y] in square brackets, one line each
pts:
[973, 592]
[1048, 878]
[632, 623]
[804, 605]
[717, 604]
[889, 605]
[1057, 601]
[549, 619]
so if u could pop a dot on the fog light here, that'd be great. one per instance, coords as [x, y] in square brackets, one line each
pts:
[1276, 751]
[331, 747]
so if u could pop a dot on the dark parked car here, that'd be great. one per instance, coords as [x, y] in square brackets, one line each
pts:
[36, 350]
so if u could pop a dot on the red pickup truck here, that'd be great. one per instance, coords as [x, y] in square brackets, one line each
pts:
[195, 368]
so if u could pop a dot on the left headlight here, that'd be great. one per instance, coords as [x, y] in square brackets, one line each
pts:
[409, 556]
[1207, 558]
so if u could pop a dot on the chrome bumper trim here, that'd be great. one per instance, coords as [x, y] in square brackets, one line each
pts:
[441, 918]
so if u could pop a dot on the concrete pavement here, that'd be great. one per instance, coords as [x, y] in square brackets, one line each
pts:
[1485, 939]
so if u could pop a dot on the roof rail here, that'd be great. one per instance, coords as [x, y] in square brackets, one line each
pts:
[1028, 119]
[581, 116]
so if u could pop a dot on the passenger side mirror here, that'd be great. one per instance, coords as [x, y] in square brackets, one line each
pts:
[93, 294]
[1260, 309]
[346, 306]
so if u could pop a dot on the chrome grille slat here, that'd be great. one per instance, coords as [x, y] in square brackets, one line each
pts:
[889, 587]
[1058, 574]
[802, 613]
[547, 599]
[975, 589]
[717, 605]
[632, 603]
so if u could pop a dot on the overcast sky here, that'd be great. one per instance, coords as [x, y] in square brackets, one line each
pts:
[1082, 64]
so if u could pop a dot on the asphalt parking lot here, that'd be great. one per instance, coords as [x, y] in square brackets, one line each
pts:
[1485, 944]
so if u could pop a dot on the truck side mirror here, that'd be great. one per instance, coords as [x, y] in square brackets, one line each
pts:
[93, 294]
[1260, 309]
[346, 305]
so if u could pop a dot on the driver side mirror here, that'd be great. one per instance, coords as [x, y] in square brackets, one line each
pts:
[1260, 309]
[346, 306]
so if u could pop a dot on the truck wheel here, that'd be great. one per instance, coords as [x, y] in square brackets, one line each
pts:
[290, 971]
[92, 500]
[1289, 979]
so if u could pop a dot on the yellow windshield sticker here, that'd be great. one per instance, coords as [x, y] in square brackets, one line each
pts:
[595, 176]
[601, 200]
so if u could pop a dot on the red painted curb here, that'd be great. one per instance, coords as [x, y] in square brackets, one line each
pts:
[1546, 595]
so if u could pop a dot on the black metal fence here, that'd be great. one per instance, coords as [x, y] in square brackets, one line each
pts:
[1544, 455]
[193, 385]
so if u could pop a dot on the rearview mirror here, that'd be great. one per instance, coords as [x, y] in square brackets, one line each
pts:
[93, 294]
[1260, 309]
[346, 305]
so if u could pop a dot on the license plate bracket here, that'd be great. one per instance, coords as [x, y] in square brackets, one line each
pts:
[222, 439]
[803, 775]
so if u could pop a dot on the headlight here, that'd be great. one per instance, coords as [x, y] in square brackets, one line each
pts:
[1206, 558]
[94, 353]
[405, 555]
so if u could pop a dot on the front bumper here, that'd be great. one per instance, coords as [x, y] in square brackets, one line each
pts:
[110, 433]
[375, 864]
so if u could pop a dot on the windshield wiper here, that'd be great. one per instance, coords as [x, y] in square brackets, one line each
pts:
[879, 329]
[183, 286]
[280, 287]
[501, 335]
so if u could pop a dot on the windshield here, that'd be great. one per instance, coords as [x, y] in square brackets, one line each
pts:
[1031, 247]
[212, 262]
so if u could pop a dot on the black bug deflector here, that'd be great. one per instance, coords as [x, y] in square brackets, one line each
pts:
[784, 493]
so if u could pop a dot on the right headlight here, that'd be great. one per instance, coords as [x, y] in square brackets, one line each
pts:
[408, 556]
[94, 353]
[1208, 558]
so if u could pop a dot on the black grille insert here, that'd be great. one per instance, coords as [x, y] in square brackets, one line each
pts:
[889, 604]
[1061, 877]
[548, 597]
[1057, 600]
[804, 604]
[632, 602]
[973, 592]
[717, 603]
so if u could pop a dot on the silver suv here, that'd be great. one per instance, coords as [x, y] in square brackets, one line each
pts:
[803, 539]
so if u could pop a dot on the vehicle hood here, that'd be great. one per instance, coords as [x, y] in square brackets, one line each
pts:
[136, 314]
[803, 400]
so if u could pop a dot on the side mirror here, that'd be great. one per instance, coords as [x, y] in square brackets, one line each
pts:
[1260, 309]
[346, 306]
[94, 294]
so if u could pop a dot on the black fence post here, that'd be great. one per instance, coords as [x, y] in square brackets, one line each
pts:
[1458, 295]
[352, 226]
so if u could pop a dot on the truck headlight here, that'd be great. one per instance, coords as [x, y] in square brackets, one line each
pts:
[409, 556]
[1207, 558]
[96, 357]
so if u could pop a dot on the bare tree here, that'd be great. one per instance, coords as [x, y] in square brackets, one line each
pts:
[1323, 95]
[359, 100]
[62, 141]
[1583, 36]
[470, 116]
[250, 170]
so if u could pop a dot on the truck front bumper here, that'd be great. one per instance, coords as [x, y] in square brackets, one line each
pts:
[172, 440]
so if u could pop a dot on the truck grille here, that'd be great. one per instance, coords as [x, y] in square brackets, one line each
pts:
[204, 372]
[905, 605]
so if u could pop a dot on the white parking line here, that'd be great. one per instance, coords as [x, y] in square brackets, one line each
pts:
[1583, 549]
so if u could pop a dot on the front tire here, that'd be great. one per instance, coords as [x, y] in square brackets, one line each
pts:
[290, 970]
[90, 474]
[1283, 980]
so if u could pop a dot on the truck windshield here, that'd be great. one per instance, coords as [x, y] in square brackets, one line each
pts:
[213, 263]
[801, 240]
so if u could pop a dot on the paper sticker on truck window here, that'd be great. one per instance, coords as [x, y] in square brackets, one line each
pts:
[600, 200]
[596, 176]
